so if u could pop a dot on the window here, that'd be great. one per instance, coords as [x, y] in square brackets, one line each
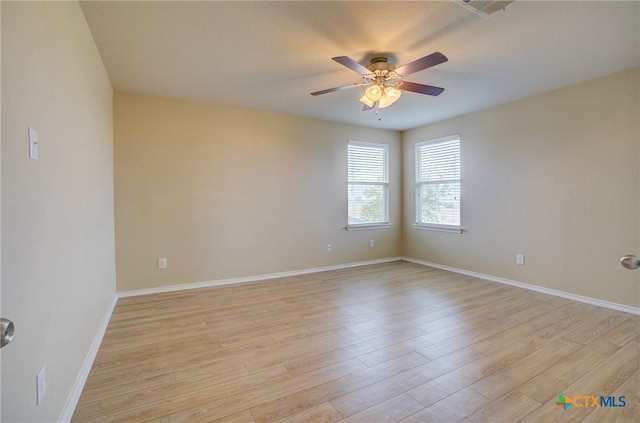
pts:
[368, 184]
[438, 184]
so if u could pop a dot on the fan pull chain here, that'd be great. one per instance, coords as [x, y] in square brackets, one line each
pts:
[378, 113]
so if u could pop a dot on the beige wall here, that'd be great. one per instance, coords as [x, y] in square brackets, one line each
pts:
[554, 177]
[223, 192]
[58, 264]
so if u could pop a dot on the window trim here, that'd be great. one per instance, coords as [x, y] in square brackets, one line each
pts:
[385, 185]
[435, 226]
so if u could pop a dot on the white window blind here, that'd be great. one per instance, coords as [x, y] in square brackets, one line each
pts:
[368, 184]
[438, 183]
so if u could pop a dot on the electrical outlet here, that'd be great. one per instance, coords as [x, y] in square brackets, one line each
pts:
[372, 243]
[520, 259]
[329, 248]
[162, 263]
[41, 385]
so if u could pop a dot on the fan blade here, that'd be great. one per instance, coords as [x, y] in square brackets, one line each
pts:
[422, 64]
[340, 88]
[420, 88]
[365, 107]
[352, 64]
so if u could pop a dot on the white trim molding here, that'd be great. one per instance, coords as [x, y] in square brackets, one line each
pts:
[256, 278]
[364, 227]
[556, 293]
[81, 379]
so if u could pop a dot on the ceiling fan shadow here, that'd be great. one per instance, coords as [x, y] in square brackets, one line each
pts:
[440, 33]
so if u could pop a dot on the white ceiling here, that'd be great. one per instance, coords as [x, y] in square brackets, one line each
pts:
[269, 55]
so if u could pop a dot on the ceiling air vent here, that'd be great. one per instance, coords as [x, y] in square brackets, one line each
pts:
[484, 7]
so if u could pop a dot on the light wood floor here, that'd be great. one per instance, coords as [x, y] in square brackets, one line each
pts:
[395, 342]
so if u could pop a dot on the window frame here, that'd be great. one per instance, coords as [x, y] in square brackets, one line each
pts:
[419, 183]
[385, 223]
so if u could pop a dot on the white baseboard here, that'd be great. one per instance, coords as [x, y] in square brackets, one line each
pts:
[569, 296]
[81, 379]
[256, 278]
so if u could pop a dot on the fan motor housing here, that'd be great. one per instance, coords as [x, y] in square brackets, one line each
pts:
[380, 64]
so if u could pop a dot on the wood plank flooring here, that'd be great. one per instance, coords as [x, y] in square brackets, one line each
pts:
[395, 342]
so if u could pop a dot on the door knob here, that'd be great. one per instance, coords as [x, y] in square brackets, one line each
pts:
[630, 262]
[6, 331]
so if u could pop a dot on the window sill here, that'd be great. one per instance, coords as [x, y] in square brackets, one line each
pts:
[450, 229]
[368, 226]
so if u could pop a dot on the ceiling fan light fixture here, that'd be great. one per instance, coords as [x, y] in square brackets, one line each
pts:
[374, 92]
[391, 95]
[366, 101]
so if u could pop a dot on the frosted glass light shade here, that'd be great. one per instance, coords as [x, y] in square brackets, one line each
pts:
[364, 100]
[374, 92]
[391, 95]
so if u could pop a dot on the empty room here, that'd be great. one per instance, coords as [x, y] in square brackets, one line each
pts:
[313, 211]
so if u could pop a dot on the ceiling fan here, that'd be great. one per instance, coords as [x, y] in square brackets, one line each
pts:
[384, 80]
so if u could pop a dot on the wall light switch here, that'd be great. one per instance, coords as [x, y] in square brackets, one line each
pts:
[41, 385]
[162, 263]
[520, 259]
[372, 243]
[33, 144]
[329, 248]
